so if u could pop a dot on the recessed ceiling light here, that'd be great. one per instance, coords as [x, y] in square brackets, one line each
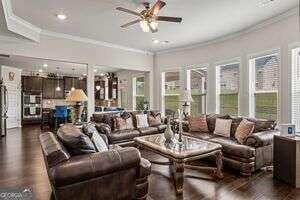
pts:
[45, 65]
[95, 70]
[40, 70]
[61, 16]
[156, 41]
[84, 74]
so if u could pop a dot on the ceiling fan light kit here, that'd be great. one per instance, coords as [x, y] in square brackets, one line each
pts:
[148, 18]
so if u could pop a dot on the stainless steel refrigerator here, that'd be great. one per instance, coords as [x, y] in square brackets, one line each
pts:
[3, 109]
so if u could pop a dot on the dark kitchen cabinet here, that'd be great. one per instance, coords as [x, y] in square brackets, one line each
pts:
[32, 83]
[78, 83]
[49, 88]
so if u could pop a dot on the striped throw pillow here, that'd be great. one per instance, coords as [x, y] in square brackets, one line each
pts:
[244, 130]
[198, 123]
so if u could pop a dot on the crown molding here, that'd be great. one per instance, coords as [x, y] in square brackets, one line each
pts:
[22, 27]
[19, 25]
[95, 42]
[272, 20]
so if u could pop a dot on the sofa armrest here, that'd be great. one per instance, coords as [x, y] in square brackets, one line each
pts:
[261, 139]
[145, 168]
[85, 167]
[103, 128]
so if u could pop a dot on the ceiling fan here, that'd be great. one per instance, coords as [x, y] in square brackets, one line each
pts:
[148, 18]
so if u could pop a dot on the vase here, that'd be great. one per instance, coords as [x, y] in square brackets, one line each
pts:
[168, 134]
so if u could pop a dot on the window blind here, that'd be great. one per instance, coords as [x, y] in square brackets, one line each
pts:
[296, 88]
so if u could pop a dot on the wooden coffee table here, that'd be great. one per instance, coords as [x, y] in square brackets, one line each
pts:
[180, 156]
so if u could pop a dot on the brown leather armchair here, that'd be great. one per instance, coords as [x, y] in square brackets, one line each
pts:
[119, 173]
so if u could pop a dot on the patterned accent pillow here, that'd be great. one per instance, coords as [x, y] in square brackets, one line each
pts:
[154, 120]
[198, 123]
[141, 121]
[223, 127]
[123, 124]
[244, 130]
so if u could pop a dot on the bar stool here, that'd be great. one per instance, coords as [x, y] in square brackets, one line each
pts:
[60, 115]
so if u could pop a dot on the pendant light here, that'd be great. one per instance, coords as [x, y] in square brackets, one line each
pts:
[73, 88]
[58, 89]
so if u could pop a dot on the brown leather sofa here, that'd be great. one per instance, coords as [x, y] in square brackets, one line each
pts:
[105, 125]
[257, 152]
[119, 173]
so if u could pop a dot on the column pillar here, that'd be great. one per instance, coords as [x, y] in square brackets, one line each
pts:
[90, 84]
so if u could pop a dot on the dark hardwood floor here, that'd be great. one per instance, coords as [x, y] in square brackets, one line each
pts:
[21, 165]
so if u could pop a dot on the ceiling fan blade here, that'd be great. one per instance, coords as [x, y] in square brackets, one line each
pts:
[130, 23]
[156, 7]
[152, 29]
[169, 19]
[128, 11]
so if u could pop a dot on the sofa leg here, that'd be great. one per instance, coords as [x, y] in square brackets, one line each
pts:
[245, 174]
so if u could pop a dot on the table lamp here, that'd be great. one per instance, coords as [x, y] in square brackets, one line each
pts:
[186, 97]
[77, 96]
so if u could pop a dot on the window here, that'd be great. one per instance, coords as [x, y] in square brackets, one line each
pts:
[228, 88]
[296, 88]
[197, 80]
[264, 87]
[171, 92]
[139, 93]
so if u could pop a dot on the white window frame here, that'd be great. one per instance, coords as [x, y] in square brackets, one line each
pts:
[295, 58]
[218, 79]
[188, 84]
[252, 81]
[134, 95]
[162, 87]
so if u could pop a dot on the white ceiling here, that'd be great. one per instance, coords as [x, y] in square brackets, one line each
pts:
[33, 65]
[203, 20]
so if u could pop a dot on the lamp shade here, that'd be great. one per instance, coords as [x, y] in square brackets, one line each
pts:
[186, 96]
[77, 95]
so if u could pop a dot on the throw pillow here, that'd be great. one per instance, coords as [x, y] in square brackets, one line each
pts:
[123, 124]
[244, 130]
[91, 131]
[141, 121]
[197, 123]
[75, 140]
[223, 127]
[154, 120]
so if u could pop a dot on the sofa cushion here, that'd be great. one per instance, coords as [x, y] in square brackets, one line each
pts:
[90, 130]
[107, 118]
[161, 128]
[262, 125]
[235, 123]
[222, 127]
[122, 136]
[231, 147]
[199, 135]
[148, 130]
[142, 120]
[244, 130]
[211, 120]
[123, 124]
[154, 120]
[75, 140]
[197, 123]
